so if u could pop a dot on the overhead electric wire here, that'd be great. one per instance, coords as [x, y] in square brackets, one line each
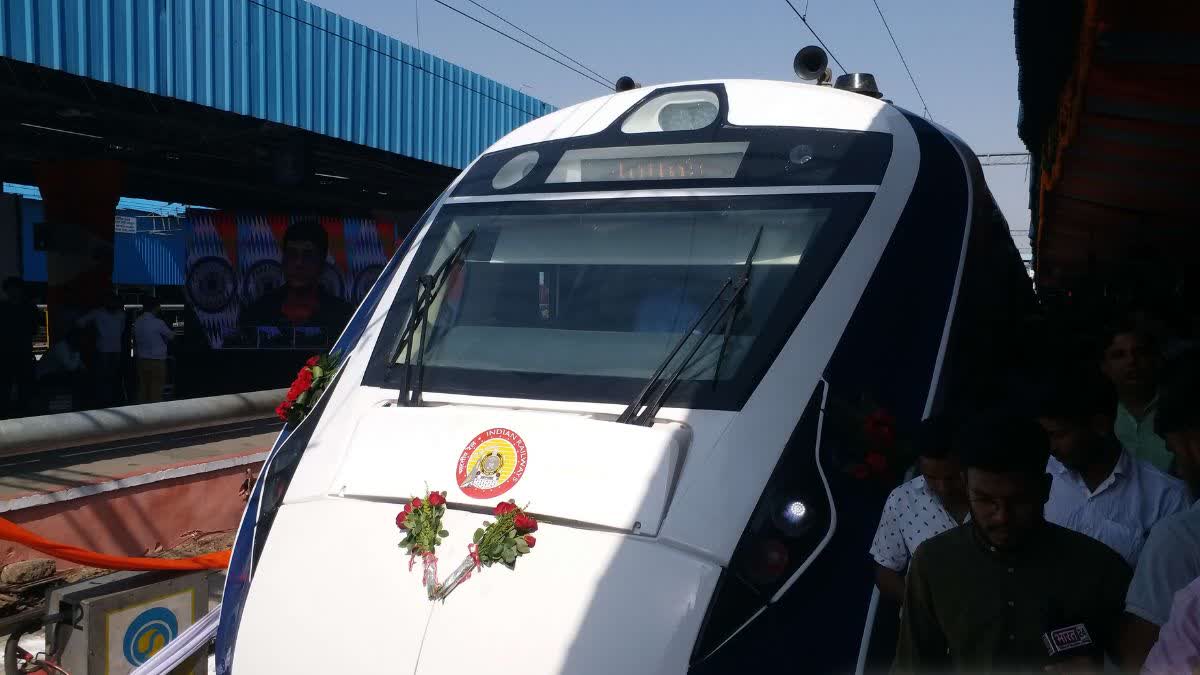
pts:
[543, 43]
[902, 60]
[606, 85]
[804, 20]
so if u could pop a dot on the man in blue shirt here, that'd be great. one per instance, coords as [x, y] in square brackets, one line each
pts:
[1099, 489]
[1171, 558]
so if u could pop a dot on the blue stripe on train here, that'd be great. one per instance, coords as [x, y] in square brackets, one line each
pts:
[888, 354]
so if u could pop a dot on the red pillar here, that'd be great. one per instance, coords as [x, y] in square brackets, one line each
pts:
[80, 202]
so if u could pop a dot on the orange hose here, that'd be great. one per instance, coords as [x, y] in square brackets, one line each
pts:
[10, 531]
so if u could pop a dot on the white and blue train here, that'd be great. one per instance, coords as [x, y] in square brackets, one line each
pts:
[640, 310]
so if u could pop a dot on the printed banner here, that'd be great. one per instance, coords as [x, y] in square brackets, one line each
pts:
[263, 281]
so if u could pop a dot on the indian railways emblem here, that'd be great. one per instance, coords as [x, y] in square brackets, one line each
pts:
[491, 464]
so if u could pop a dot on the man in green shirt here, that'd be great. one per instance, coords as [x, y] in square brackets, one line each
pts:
[1130, 361]
[979, 597]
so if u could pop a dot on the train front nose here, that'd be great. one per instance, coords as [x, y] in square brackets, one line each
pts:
[599, 592]
[333, 591]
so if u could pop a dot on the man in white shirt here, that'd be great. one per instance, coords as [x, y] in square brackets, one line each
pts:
[150, 337]
[1099, 489]
[109, 325]
[1171, 558]
[927, 505]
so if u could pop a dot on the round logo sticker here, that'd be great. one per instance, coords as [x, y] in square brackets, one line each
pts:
[491, 464]
[149, 632]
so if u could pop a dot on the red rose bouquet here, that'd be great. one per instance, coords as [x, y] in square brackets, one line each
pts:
[312, 379]
[502, 541]
[421, 522]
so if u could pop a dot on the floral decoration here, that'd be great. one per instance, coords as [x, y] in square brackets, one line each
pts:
[869, 447]
[509, 537]
[312, 379]
[421, 522]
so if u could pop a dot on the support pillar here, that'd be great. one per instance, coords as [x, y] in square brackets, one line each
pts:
[80, 203]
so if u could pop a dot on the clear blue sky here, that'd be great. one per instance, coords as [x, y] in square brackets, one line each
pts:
[961, 52]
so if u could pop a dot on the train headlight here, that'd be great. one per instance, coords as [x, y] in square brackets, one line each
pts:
[515, 170]
[791, 516]
[686, 110]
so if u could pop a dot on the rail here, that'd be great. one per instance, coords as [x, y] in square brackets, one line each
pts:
[66, 430]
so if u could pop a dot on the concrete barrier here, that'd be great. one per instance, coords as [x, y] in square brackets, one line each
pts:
[66, 430]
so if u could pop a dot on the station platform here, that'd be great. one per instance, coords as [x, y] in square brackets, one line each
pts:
[136, 497]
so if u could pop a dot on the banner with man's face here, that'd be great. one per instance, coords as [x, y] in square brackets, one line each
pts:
[259, 281]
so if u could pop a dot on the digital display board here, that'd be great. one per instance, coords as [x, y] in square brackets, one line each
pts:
[680, 167]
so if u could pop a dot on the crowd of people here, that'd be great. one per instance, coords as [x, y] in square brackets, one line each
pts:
[85, 360]
[1059, 533]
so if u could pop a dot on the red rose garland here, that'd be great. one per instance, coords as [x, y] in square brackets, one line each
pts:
[312, 379]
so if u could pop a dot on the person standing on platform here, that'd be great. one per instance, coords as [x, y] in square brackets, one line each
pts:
[19, 320]
[1171, 557]
[108, 322]
[61, 370]
[150, 337]
[1100, 489]
[1130, 361]
[931, 503]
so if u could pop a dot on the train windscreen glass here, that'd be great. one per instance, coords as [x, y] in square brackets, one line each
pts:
[583, 298]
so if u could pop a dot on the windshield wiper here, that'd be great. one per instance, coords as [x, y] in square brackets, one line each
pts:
[428, 288]
[655, 393]
[739, 302]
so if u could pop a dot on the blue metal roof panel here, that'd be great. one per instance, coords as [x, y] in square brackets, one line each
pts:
[287, 61]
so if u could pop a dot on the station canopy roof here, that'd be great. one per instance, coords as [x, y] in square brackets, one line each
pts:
[1110, 111]
[241, 103]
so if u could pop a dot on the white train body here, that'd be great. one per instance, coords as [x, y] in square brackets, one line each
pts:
[727, 533]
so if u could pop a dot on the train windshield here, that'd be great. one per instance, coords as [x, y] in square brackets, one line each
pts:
[580, 299]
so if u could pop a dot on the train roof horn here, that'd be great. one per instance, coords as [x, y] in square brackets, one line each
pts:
[812, 63]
